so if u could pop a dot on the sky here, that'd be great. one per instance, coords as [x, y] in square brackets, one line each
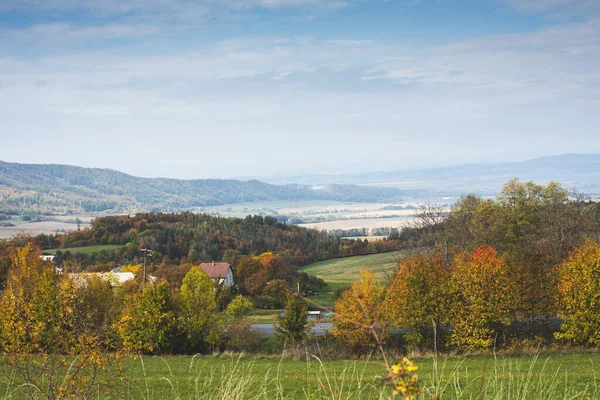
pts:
[235, 88]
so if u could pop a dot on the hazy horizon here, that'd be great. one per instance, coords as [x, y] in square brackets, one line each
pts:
[204, 89]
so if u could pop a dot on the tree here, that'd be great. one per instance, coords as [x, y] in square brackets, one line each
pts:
[293, 324]
[277, 289]
[420, 296]
[239, 333]
[578, 295]
[147, 321]
[198, 308]
[484, 298]
[30, 308]
[239, 307]
[360, 319]
[42, 317]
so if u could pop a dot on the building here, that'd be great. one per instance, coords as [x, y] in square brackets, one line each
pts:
[219, 272]
[115, 278]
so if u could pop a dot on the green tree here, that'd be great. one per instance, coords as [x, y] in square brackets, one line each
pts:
[147, 321]
[293, 324]
[239, 333]
[198, 311]
[239, 307]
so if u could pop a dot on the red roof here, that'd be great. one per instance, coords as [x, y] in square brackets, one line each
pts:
[215, 270]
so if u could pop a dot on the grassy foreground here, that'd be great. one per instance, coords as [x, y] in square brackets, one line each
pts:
[571, 376]
[341, 272]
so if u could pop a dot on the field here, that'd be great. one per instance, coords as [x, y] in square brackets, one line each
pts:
[85, 250]
[36, 228]
[358, 223]
[323, 214]
[261, 316]
[570, 376]
[341, 272]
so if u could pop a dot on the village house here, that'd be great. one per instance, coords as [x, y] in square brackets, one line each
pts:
[219, 272]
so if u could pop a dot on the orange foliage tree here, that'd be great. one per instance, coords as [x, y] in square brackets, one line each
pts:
[484, 298]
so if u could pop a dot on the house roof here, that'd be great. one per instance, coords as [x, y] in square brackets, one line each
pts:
[215, 270]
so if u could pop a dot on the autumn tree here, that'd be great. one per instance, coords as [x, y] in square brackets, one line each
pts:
[578, 295]
[42, 317]
[484, 298]
[420, 296]
[360, 318]
[30, 308]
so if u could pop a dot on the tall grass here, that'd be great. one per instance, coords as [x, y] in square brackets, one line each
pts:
[236, 377]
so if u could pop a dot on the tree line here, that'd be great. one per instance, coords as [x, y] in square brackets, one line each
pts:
[523, 268]
[193, 237]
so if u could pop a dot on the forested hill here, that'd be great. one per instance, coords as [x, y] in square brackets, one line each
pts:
[50, 188]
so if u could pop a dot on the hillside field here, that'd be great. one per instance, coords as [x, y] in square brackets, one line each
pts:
[341, 272]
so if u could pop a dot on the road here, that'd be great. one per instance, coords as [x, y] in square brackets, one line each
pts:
[267, 329]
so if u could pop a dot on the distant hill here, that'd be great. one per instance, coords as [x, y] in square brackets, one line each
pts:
[49, 188]
[572, 170]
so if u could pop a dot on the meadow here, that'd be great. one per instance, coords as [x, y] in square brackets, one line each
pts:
[226, 376]
[341, 272]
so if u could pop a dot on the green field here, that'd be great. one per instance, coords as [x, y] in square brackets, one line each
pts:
[261, 316]
[341, 272]
[229, 377]
[86, 250]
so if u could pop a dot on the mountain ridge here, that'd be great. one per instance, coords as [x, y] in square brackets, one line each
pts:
[58, 188]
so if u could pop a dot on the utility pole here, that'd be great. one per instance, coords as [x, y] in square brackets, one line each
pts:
[145, 251]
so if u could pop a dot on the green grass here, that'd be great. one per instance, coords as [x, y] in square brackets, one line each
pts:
[544, 377]
[88, 250]
[341, 272]
[260, 316]
[572, 376]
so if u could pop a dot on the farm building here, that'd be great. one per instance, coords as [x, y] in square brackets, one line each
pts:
[219, 272]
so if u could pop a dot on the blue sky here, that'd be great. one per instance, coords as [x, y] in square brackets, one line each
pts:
[220, 88]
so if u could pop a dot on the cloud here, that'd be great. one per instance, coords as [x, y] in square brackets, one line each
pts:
[117, 7]
[558, 7]
[358, 96]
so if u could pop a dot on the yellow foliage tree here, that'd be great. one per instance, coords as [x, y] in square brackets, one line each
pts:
[359, 316]
[420, 296]
[38, 330]
[578, 296]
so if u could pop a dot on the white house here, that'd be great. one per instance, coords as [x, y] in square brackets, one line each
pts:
[219, 272]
